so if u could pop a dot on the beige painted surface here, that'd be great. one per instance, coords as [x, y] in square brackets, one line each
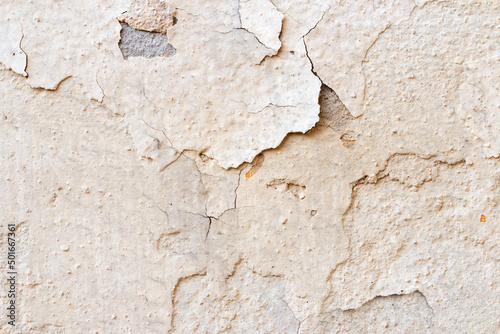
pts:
[286, 167]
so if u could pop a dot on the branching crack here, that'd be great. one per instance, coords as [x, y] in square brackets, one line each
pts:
[159, 130]
[321, 19]
[209, 224]
[277, 106]
[233, 29]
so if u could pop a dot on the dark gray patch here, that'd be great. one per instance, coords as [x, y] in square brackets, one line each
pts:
[139, 43]
[333, 113]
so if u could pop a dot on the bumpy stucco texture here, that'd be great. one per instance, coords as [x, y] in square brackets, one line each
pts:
[251, 166]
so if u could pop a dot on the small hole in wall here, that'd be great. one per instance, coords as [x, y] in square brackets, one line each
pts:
[174, 20]
[203, 157]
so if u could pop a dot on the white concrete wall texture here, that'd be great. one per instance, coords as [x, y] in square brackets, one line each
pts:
[250, 166]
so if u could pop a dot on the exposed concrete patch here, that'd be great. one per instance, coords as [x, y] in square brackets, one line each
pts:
[333, 113]
[138, 43]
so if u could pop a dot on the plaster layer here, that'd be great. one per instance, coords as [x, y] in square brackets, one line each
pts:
[11, 54]
[149, 15]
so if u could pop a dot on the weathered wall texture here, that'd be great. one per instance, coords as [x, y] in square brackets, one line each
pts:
[251, 166]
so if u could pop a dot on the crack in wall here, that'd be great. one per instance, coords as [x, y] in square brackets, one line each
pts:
[299, 322]
[273, 52]
[25, 54]
[263, 19]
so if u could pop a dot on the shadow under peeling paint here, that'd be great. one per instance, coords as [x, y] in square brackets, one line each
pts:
[140, 43]
[333, 113]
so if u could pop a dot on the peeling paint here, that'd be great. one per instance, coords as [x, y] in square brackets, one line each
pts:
[262, 18]
[269, 166]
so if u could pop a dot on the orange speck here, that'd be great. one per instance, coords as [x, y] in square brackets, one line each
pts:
[483, 219]
[258, 163]
[347, 143]
[250, 173]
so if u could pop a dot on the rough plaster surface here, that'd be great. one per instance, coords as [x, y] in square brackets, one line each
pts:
[251, 166]
[149, 15]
